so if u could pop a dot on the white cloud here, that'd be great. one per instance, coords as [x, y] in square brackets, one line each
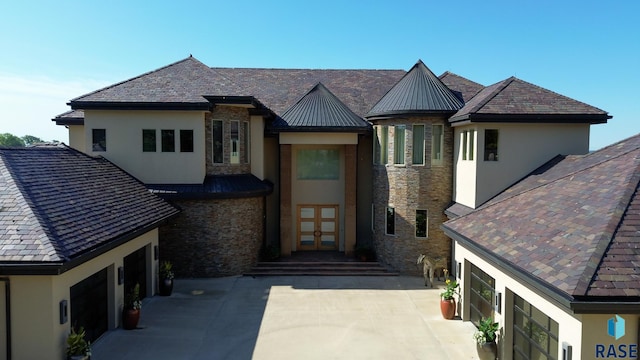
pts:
[28, 103]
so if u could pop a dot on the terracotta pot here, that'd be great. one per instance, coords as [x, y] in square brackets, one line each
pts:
[166, 287]
[487, 351]
[130, 318]
[448, 308]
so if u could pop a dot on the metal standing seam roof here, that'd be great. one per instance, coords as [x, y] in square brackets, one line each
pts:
[570, 224]
[418, 92]
[320, 110]
[57, 203]
[516, 100]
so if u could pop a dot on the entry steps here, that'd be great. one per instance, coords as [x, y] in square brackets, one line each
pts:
[297, 268]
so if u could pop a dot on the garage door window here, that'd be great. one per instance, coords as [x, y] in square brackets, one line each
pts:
[535, 335]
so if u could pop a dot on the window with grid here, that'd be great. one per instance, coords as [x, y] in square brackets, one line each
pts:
[535, 335]
[482, 292]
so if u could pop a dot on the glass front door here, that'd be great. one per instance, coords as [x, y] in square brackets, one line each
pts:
[317, 227]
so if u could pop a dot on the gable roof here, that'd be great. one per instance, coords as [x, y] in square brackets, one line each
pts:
[418, 92]
[568, 226]
[515, 100]
[465, 87]
[59, 206]
[177, 86]
[319, 110]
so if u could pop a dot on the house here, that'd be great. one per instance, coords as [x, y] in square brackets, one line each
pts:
[554, 258]
[311, 160]
[76, 233]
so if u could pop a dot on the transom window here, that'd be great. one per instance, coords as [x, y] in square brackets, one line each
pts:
[535, 335]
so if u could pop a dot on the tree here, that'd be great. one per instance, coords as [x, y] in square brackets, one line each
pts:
[30, 140]
[11, 140]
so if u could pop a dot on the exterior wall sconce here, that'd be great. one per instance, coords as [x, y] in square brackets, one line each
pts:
[64, 315]
[498, 304]
[567, 351]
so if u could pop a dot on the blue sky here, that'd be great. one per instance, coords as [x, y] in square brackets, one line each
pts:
[53, 51]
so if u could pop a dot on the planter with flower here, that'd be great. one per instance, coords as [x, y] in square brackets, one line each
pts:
[485, 338]
[166, 278]
[131, 309]
[78, 348]
[447, 300]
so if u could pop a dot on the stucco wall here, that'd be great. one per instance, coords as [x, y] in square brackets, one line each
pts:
[521, 149]
[124, 144]
[36, 331]
[214, 237]
[570, 326]
[76, 137]
[408, 188]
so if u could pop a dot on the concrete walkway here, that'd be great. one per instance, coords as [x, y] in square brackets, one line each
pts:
[303, 317]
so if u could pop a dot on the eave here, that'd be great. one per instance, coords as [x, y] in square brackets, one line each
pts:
[408, 113]
[319, 129]
[125, 105]
[532, 118]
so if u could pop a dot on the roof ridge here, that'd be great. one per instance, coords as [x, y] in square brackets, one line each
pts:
[591, 270]
[297, 69]
[500, 85]
[136, 77]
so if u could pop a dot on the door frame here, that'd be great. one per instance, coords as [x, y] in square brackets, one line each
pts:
[317, 233]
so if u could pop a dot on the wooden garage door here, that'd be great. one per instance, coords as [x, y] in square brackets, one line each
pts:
[89, 305]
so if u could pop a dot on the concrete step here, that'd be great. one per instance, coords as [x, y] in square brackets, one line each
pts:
[319, 269]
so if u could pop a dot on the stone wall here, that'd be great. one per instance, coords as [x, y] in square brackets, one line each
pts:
[226, 114]
[214, 237]
[408, 188]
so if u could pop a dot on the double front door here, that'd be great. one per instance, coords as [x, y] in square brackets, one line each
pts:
[317, 227]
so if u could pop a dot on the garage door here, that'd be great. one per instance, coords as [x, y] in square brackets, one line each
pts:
[135, 271]
[89, 305]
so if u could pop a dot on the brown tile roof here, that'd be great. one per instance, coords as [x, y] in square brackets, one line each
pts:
[515, 100]
[563, 225]
[57, 203]
[279, 89]
[467, 88]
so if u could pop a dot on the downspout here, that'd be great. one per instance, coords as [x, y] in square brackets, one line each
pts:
[7, 295]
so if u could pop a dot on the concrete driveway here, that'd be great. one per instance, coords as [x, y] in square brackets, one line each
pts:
[293, 317]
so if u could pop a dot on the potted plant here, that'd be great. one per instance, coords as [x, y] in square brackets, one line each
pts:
[447, 300]
[166, 278]
[485, 338]
[131, 309]
[364, 253]
[77, 347]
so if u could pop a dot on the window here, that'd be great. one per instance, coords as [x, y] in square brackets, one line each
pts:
[148, 140]
[398, 147]
[491, 145]
[437, 144]
[318, 164]
[380, 145]
[535, 335]
[168, 140]
[246, 143]
[99, 139]
[464, 145]
[186, 140]
[418, 145]
[390, 221]
[483, 288]
[235, 143]
[421, 223]
[216, 138]
[471, 143]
